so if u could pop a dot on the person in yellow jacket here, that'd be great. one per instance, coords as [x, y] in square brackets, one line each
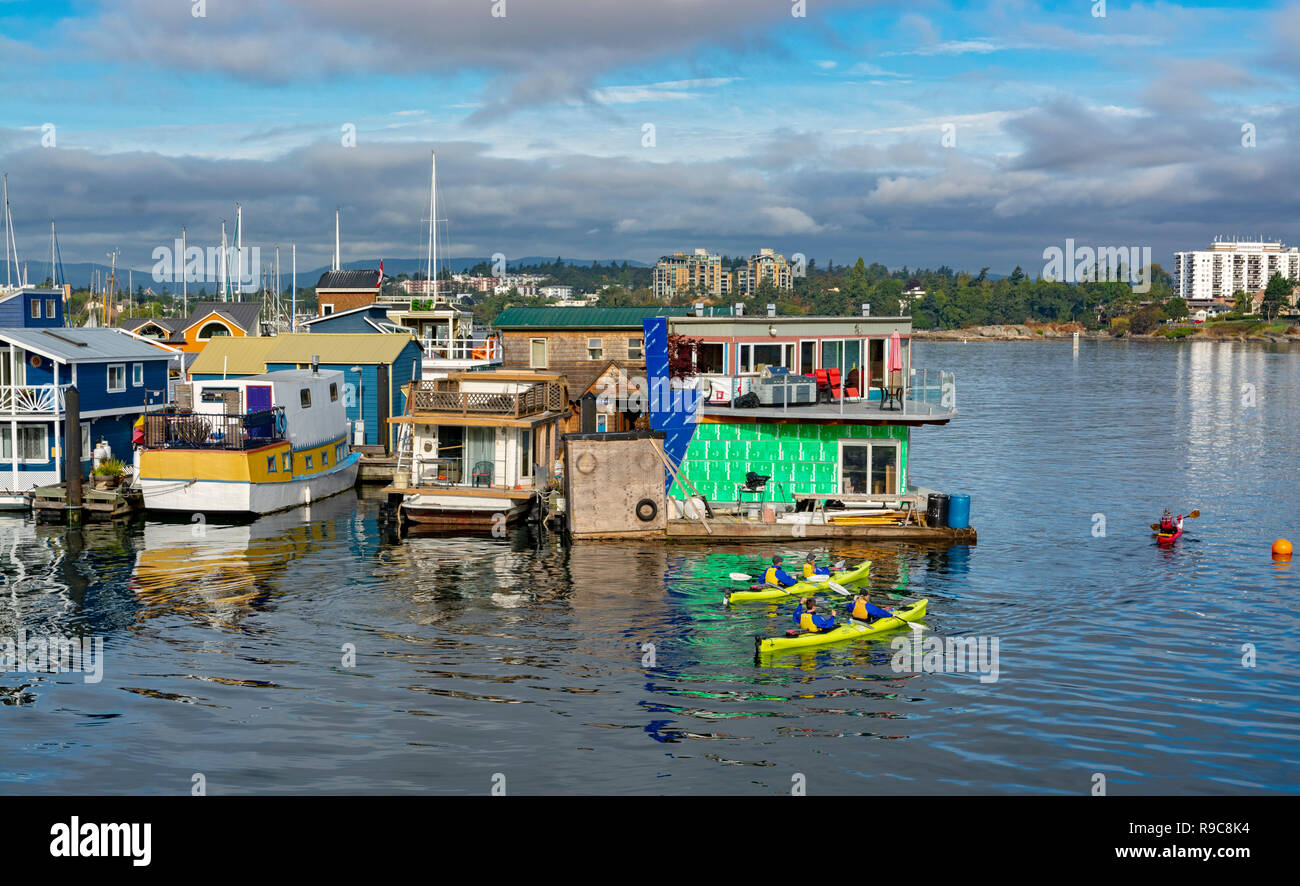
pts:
[776, 576]
[807, 618]
[863, 609]
[810, 567]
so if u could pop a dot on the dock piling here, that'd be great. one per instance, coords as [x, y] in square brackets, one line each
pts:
[72, 454]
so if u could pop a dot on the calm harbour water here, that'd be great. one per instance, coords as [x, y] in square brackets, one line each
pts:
[524, 656]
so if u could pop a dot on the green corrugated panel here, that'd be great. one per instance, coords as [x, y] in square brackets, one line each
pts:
[594, 318]
[783, 471]
[767, 432]
[737, 450]
[705, 432]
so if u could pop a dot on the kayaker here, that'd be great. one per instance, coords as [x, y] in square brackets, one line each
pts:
[864, 610]
[809, 619]
[1168, 524]
[776, 576]
[810, 567]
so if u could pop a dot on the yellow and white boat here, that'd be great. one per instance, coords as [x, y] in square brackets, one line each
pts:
[250, 445]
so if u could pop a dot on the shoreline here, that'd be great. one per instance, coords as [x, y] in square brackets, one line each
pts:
[1035, 332]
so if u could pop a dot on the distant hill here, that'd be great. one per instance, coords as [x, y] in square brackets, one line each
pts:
[410, 266]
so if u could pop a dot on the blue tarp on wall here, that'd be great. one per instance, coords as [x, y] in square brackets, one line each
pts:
[671, 411]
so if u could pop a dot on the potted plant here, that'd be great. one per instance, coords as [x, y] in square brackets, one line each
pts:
[108, 475]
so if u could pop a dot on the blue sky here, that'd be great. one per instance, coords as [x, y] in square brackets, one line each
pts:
[821, 134]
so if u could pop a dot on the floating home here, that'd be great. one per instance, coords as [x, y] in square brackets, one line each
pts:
[478, 447]
[118, 378]
[789, 427]
[251, 445]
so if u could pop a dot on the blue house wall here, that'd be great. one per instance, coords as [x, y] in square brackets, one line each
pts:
[16, 311]
[349, 322]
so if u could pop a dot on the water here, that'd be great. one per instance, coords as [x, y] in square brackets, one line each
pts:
[479, 658]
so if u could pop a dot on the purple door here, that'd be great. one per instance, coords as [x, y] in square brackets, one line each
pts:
[259, 397]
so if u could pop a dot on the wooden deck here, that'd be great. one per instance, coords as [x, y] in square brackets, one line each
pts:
[50, 503]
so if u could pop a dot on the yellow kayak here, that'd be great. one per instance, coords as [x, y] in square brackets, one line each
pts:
[849, 630]
[767, 592]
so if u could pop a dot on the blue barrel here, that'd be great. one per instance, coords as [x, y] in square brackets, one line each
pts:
[959, 512]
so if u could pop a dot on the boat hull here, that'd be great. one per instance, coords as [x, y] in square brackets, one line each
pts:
[463, 511]
[240, 497]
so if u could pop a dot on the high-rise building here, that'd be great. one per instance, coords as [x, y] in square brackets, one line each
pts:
[699, 272]
[766, 265]
[1229, 266]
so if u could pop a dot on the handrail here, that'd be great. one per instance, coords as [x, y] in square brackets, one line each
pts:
[445, 395]
[32, 399]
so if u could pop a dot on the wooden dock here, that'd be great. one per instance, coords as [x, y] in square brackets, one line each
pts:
[50, 503]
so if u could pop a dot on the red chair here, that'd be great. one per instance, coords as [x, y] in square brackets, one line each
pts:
[823, 385]
[851, 384]
[833, 379]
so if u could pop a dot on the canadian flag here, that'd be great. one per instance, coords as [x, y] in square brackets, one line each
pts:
[381, 274]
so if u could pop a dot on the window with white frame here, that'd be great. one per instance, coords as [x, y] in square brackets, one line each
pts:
[33, 444]
[51, 307]
[116, 377]
[137, 374]
[86, 451]
[595, 349]
[36, 309]
[635, 349]
[871, 467]
[754, 356]
[537, 353]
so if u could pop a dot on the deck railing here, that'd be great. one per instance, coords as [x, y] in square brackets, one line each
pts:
[195, 430]
[462, 349]
[927, 391]
[32, 399]
[445, 395]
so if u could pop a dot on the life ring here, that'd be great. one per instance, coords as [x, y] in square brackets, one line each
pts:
[583, 459]
[640, 510]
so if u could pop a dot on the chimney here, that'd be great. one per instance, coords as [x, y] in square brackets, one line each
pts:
[699, 309]
[740, 309]
[866, 310]
[771, 310]
[315, 364]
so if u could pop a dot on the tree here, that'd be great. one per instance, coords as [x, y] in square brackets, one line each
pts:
[1176, 309]
[1145, 321]
[681, 355]
[1277, 295]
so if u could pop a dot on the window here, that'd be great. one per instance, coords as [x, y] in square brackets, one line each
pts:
[304, 397]
[50, 308]
[36, 309]
[116, 377]
[286, 463]
[324, 458]
[137, 374]
[635, 349]
[752, 357]
[309, 463]
[525, 453]
[270, 464]
[33, 444]
[709, 358]
[334, 391]
[326, 310]
[86, 451]
[869, 467]
[595, 349]
[212, 330]
[537, 353]
[602, 422]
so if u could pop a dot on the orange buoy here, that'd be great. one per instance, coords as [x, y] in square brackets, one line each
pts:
[1282, 548]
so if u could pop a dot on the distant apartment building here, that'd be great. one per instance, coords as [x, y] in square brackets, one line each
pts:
[1204, 276]
[556, 291]
[700, 272]
[476, 283]
[766, 265]
[420, 287]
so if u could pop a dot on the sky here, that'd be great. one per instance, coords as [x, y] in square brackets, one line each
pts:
[922, 133]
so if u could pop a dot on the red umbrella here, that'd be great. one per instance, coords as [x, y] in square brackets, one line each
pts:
[895, 353]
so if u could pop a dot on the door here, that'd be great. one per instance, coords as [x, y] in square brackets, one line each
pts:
[258, 397]
[807, 358]
[382, 403]
[870, 467]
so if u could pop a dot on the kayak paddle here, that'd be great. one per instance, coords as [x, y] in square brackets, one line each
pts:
[1192, 516]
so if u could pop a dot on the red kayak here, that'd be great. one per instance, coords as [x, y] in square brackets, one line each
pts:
[1168, 538]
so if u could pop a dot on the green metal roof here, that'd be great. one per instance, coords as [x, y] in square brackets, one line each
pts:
[589, 318]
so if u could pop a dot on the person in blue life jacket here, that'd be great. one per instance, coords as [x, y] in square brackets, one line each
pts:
[807, 618]
[776, 576]
[810, 567]
[862, 609]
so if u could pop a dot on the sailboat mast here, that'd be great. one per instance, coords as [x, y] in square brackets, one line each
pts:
[9, 280]
[185, 277]
[293, 296]
[239, 252]
[337, 249]
[433, 224]
[225, 289]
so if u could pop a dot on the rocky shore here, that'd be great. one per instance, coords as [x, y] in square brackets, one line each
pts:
[1057, 332]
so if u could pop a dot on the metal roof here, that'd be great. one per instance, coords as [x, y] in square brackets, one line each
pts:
[242, 356]
[583, 318]
[364, 279]
[81, 345]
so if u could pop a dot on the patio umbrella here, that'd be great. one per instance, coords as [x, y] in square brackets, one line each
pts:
[895, 353]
